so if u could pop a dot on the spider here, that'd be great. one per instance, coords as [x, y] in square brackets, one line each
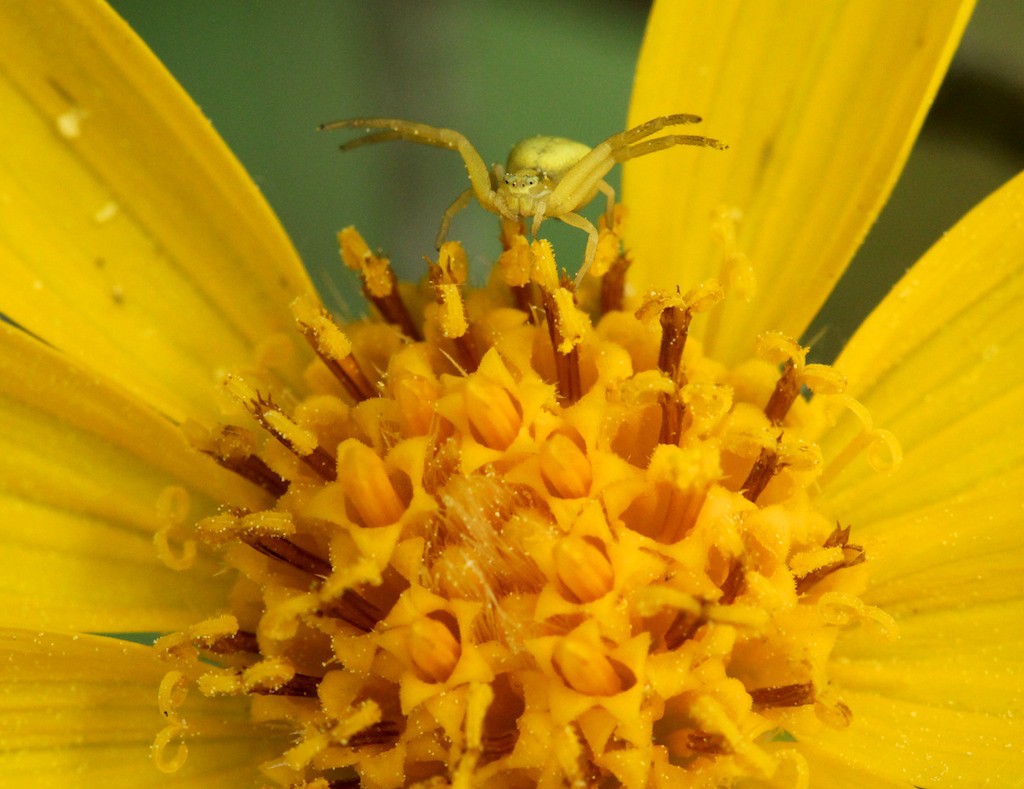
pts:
[544, 176]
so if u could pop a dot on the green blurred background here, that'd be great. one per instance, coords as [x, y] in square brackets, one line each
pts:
[267, 73]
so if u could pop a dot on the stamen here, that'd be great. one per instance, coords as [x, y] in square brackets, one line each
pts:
[288, 552]
[333, 347]
[302, 442]
[684, 627]
[234, 448]
[380, 285]
[613, 285]
[706, 742]
[797, 695]
[446, 277]
[849, 556]
[240, 641]
[733, 583]
[566, 326]
[765, 467]
[355, 609]
[784, 395]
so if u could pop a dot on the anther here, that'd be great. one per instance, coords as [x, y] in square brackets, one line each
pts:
[787, 389]
[288, 552]
[567, 325]
[234, 448]
[613, 285]
[380, 285]
[333, 347]
[733, 584]
[583, 568]
[446, 278]
[302, 442]
[850, 556]
[765, 467]
[353, 608]
[367, 486]
[683, 627]
[796, 695]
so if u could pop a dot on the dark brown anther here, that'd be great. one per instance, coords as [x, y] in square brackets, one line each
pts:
[675, 323]
[242, 641]
[319, 459]
[683, 628]
[232, 447]
[707, 742]
[355, 609]
[797, 695]
[302, 685]
[613, 285]
[567, 365]
[252, 468]
[288, 552]
[346, 370]
[852, 555]
[733, 583]
[787, 388]
[381, 733]
[673, 411]
[392, 309]
[765, 467]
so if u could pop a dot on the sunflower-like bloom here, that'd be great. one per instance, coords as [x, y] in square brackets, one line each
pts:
[520, 535]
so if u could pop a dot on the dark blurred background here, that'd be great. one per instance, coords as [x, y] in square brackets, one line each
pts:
[267, 73]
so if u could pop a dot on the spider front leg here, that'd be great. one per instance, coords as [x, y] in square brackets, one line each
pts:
[575, 220]
[397, 129]
[457, 205]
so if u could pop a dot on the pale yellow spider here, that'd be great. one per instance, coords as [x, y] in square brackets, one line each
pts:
[544, 176]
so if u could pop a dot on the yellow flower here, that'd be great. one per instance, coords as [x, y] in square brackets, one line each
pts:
[518, 536]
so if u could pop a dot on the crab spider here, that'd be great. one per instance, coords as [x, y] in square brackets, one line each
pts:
[544, 176]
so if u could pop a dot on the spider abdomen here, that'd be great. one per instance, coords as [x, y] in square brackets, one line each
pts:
[552, 156]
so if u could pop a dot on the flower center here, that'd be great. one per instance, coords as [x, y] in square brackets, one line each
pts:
[524, 535]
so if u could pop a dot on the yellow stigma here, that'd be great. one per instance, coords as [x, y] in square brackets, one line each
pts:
[526, 535]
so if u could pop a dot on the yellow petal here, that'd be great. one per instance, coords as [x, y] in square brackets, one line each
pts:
[66, 571]
[819, 103]
[129, 236]
[82, 711]
[938, 364]
[920, 744]
[82, 467]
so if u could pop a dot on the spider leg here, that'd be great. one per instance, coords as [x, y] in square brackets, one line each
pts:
[606, 189]
[539, 214]
[396, 129]
[457, 205]
[575, 220]
[648, 128]
[578, 184]
[580, 180]
[668, 141]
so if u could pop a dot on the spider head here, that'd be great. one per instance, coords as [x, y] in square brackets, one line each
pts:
[522, 188]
